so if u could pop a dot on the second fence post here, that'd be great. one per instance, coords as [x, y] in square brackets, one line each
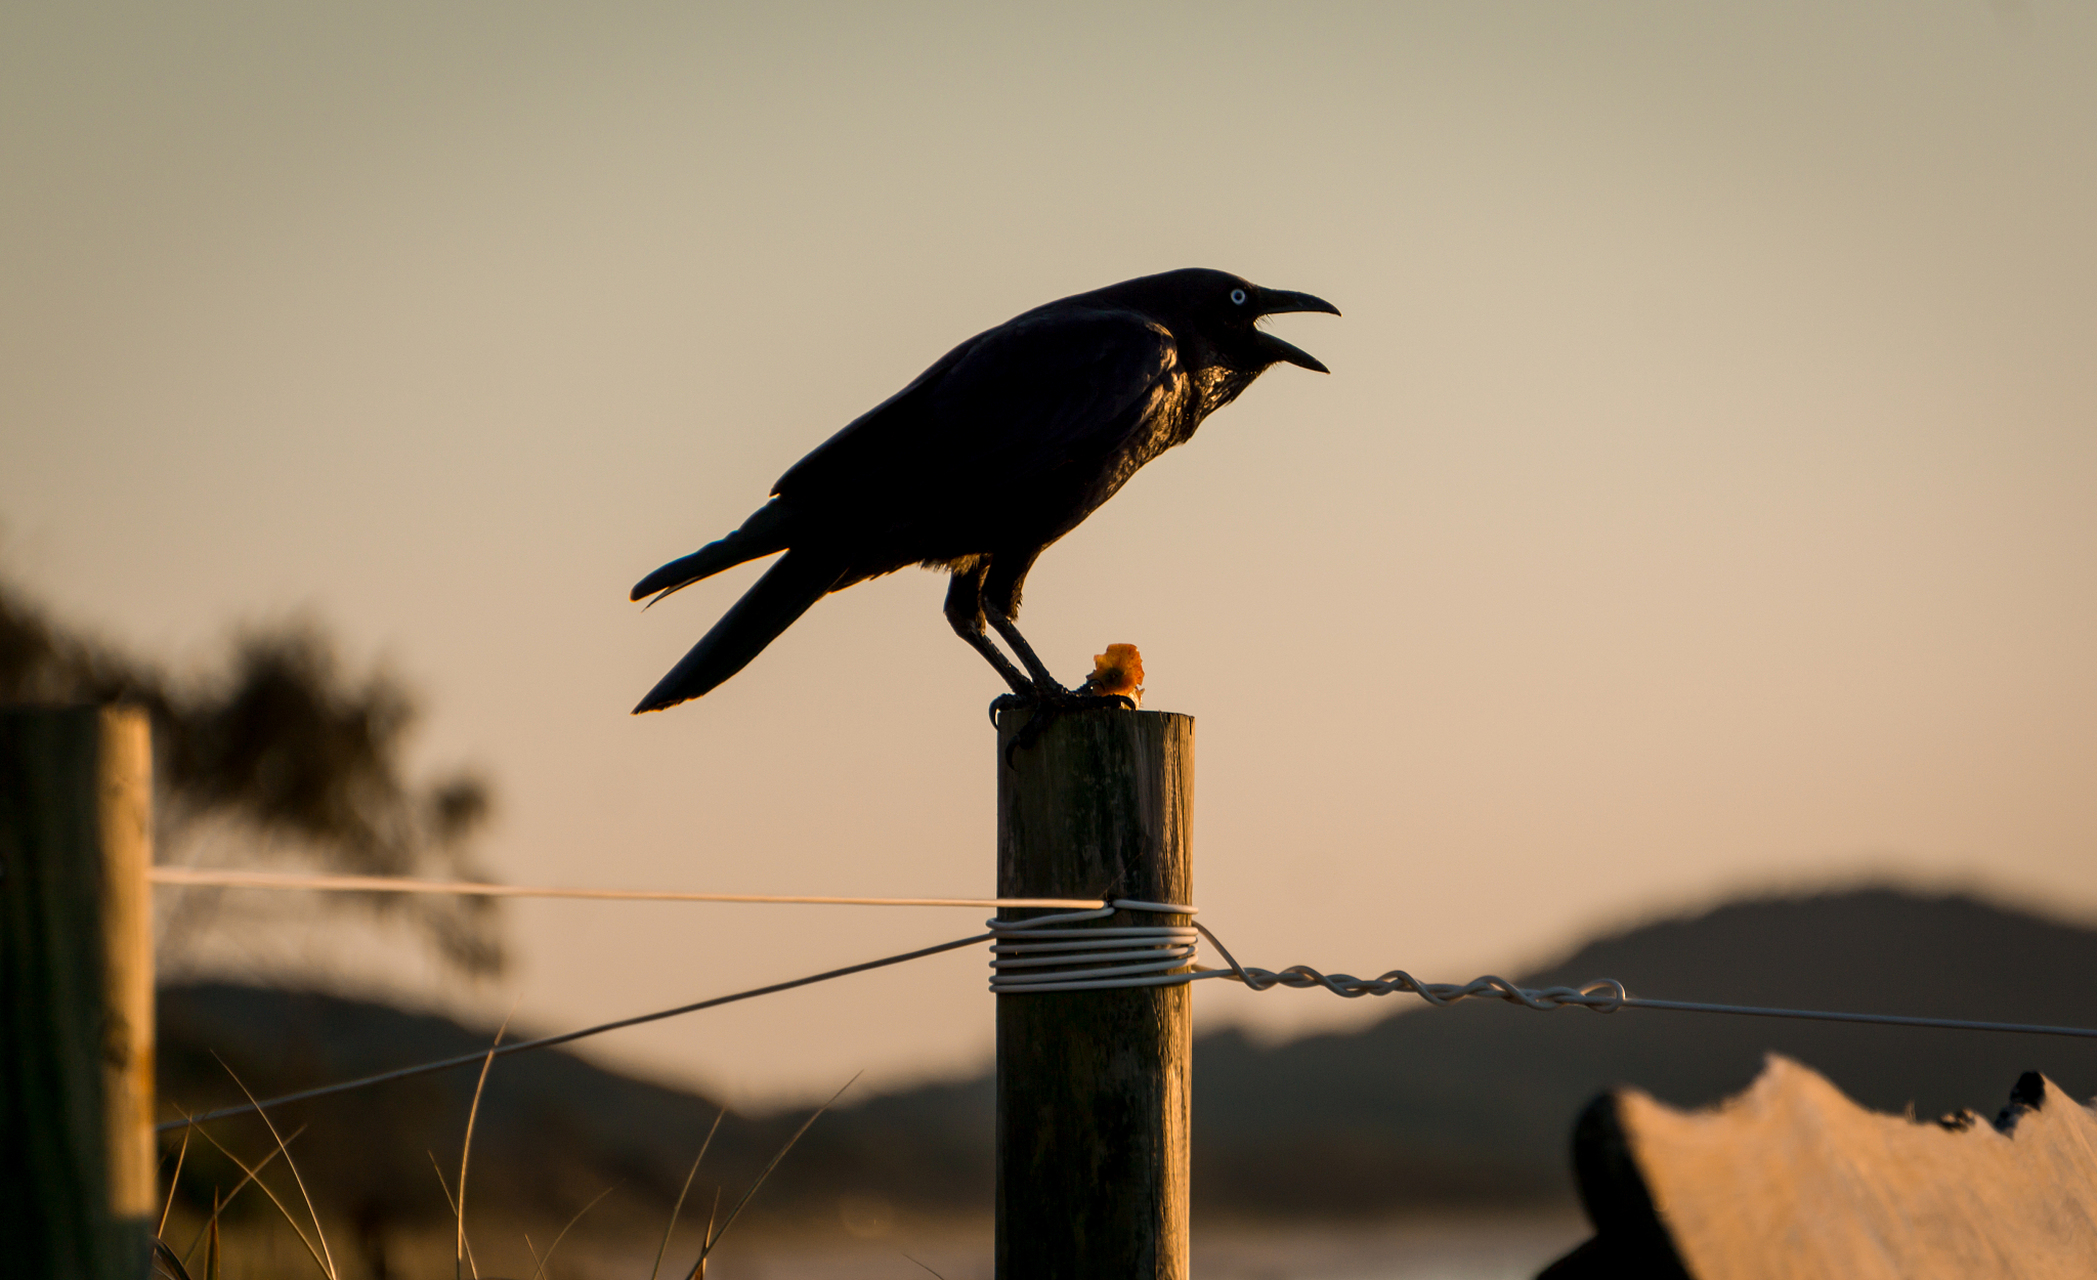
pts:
[76, 993]
[1093, 1086]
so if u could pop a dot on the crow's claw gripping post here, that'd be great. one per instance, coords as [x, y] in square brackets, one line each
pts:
[1047, 708]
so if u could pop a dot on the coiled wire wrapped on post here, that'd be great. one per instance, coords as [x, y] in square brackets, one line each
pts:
[1047, 953]
[1059, 953]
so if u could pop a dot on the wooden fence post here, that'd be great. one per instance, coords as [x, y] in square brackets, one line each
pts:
[76, 993]
[1093, 1086]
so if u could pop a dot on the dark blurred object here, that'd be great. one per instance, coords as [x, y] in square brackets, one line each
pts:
[1792, 1179]
[281, 743]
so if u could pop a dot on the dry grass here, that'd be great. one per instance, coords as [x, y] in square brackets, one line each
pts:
[264, 1240]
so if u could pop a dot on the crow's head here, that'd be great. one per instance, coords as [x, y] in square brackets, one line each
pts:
[1215, 317]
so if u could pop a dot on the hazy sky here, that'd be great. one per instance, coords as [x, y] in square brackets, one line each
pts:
[1704, 495]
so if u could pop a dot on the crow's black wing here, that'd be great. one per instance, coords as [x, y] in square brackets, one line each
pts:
[1048, 387]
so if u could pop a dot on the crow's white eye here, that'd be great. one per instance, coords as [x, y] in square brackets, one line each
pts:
[1238, 297]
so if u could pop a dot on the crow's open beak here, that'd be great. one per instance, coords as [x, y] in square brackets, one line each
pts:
[1274, 302]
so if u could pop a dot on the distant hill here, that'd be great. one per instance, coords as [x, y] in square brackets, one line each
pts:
[1477, 1101]
[1469, 1105]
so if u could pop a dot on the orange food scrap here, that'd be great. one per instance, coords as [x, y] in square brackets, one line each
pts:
[1117, 671]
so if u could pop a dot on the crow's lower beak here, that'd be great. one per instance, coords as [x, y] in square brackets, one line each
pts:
[1274, 302]
[1277, 350]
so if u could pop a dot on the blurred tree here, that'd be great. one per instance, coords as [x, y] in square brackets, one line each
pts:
[283, 747]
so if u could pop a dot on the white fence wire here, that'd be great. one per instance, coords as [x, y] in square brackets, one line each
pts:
[1064, 951]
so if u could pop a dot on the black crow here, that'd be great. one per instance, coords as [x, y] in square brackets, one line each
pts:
[990, 455]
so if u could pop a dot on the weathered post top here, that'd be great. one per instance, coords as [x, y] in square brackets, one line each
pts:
[1093, 1086]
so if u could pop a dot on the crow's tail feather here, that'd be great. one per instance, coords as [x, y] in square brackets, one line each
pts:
[783, 594]
[766, 531]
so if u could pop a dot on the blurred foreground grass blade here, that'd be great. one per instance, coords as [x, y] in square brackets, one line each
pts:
[686, 1190]
[459, 1255]
[449, 1203]
[699, 1267]
[325, 1258]
[253, 1175]
[217, 1204]
[540, 1269]
[165, 1258]
[211, 1253]
[174, 1180]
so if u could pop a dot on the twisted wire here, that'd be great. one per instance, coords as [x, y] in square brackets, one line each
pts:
[1603, 995]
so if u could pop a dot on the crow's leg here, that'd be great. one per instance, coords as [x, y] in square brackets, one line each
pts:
[1044, 682]
[1021, 687]
[999, 601]
[964, 610]
[1048, 700]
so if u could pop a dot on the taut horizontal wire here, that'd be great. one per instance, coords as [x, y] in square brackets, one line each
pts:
[1060, 957]
[1883, 1019]
[209, 877]
[545, 1042]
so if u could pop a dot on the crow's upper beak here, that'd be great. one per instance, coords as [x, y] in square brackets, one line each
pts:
[1275, 302]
